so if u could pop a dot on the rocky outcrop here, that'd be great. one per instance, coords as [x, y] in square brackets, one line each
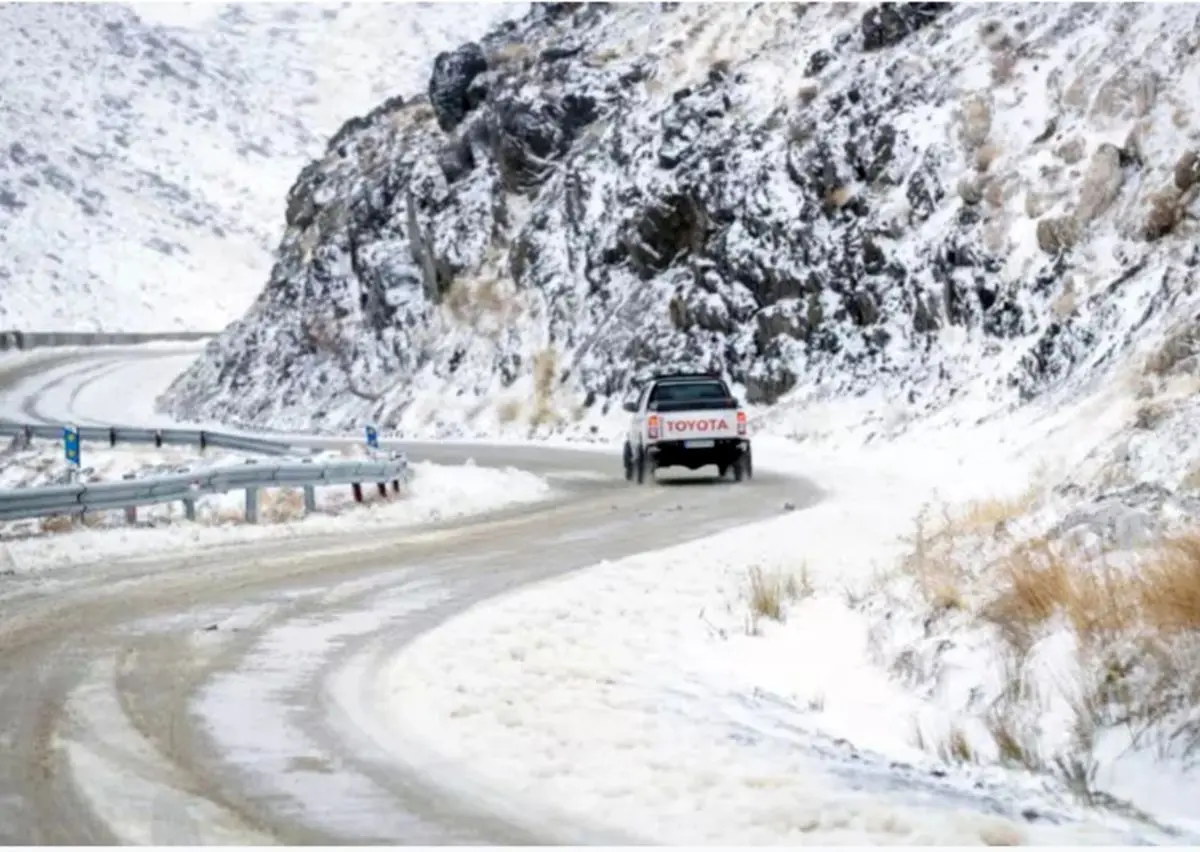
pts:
[651, 208]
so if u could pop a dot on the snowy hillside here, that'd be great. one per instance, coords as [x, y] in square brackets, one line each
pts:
[148, 149]
[821, 200]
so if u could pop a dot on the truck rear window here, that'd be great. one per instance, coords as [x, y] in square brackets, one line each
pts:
[688, 392]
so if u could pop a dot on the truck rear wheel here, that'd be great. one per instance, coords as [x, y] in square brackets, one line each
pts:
[627, 461]
[640, 464]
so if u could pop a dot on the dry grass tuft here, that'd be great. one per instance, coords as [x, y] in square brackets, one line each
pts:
[1134, 616]
[508, 411]
[605, 56]
[545, 374]
[766, 595]
[1169, 585]
[279, 505]
[934, 561]
[1040, 579]
[511, 53]
[1004, 64]
[771, 592]
[1179, 346]
[956, 748]
[839, 197]
[485, 304]
[57, 523]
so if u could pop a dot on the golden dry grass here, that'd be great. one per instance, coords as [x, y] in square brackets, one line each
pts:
[1029, 581]
[57, 523]
[279, 505]
[605, 55]
[1038, 579]
[769, 592]
[513, 52]
[508, 410]
[934, 562]
[1004, 64]
[485, 303]
[839, 197]
[1182, 343]
[545, 375]
[1134, 616]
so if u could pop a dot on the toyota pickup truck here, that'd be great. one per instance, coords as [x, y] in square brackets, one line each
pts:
[686, 420]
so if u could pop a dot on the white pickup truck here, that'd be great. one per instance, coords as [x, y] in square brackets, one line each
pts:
[687, 420]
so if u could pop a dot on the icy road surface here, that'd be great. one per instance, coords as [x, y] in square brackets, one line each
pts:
[189, 698]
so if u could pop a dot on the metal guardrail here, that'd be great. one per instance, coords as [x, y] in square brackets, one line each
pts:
[113, 435]
[79, 498]
[25, 340]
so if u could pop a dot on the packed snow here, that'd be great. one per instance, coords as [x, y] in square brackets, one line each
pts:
[41, 463]
[152, 145]
[734, 726]
[434, 493]
[107, 386]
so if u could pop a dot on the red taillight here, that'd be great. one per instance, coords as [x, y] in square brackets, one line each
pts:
[741, 421]
[652, 426]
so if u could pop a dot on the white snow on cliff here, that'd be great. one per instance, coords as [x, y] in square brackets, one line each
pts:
[147, 149]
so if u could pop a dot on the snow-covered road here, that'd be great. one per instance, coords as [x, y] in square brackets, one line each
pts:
[465, 681]
[223, 694]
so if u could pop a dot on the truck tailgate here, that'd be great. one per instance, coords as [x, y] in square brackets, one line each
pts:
[698, 425]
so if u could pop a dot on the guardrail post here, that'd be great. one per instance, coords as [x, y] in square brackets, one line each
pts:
[157, 438]
[252, 505]
[356, 487]
[189, 509]
[310, 499]
[130, 511]
[112, 436]
[203, 441]
[382, 486]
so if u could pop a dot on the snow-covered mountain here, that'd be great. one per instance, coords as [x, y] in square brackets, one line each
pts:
[146, 150]
[819, 200]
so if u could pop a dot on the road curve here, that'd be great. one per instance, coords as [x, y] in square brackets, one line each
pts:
[190, 698]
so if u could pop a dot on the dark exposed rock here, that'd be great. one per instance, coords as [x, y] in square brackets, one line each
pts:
[889, 24]
[663, 233]
[453, 73]
[1187, 171]
[817, 63]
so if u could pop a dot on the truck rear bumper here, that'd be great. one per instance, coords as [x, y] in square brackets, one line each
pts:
[723, 452]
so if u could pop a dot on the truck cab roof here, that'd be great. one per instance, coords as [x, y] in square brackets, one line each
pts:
[688, 392]
[665, 377]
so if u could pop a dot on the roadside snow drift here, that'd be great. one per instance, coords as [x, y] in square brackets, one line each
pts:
[843, 674]
[435, 493]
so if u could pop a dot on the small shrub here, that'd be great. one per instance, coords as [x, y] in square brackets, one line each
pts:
[766, 595]
[279, 505]
[770, 592]
[508, 410]
[545, 372]
[57, 523]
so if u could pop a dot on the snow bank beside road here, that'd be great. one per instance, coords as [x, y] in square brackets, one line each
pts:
[733, 728]
[435, 493]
